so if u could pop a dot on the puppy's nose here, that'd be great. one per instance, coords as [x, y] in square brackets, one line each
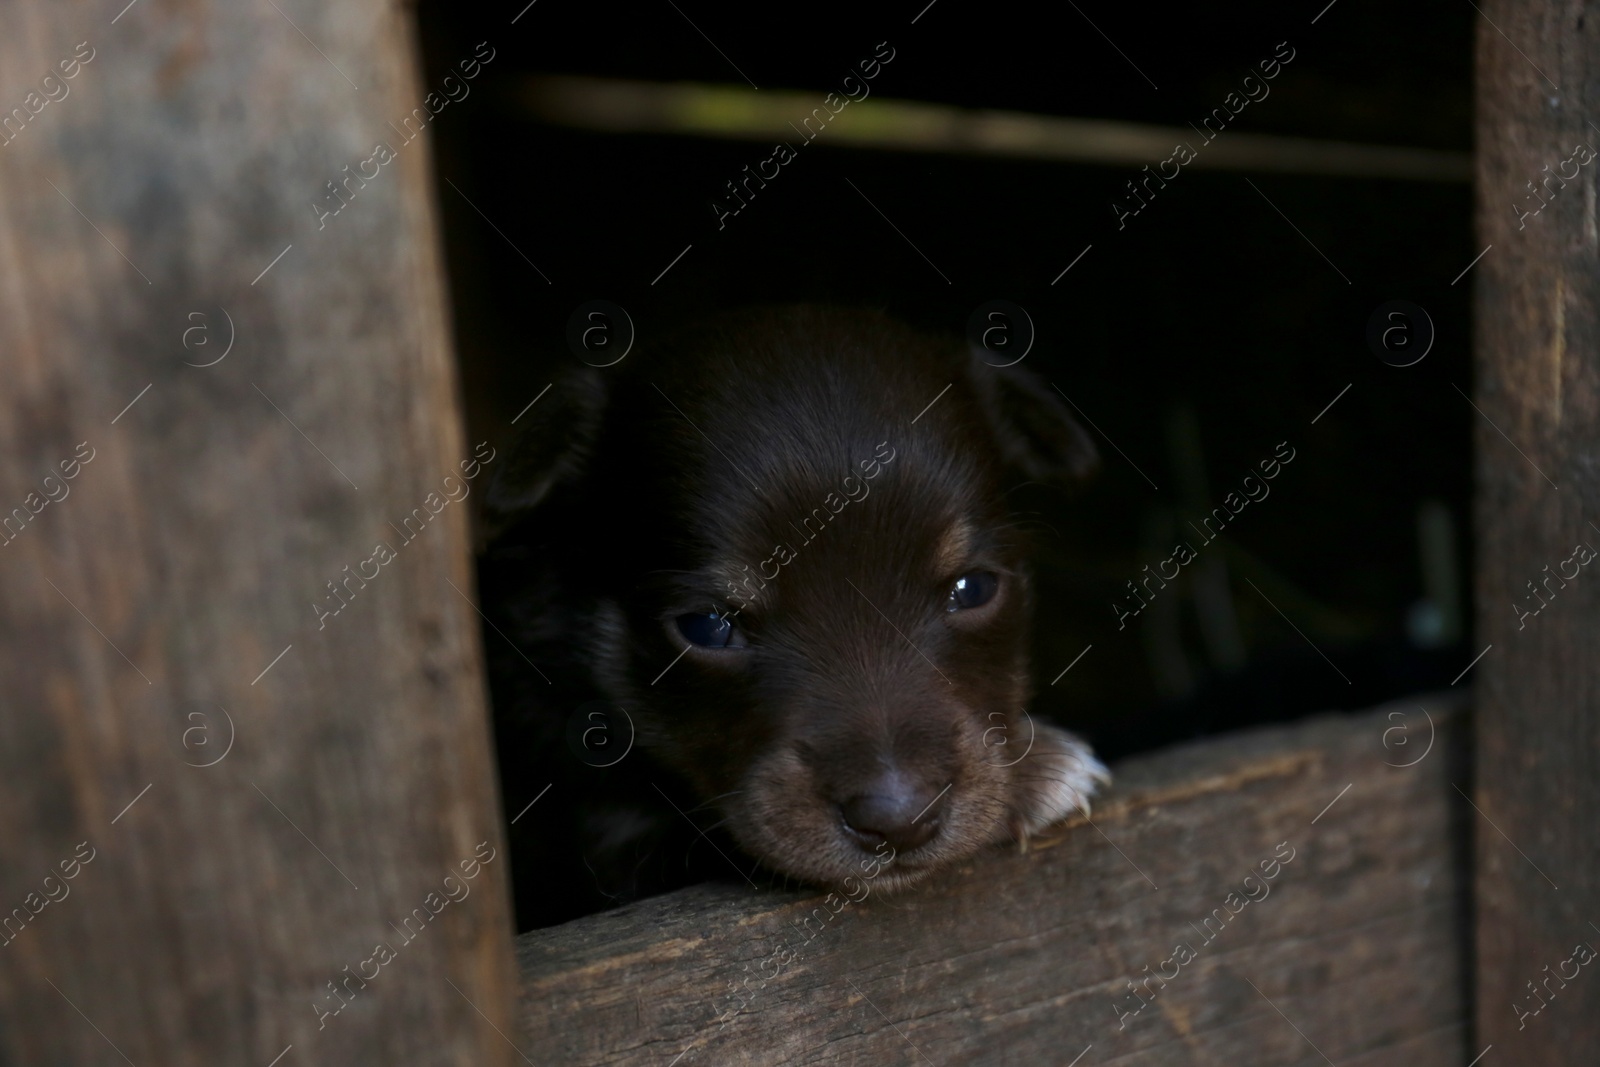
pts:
[896, 810]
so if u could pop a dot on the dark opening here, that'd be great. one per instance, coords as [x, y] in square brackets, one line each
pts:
[1233, 312]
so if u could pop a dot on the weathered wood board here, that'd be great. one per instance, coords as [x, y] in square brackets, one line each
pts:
[1353, 951]
[1537, 435]
[215, 802]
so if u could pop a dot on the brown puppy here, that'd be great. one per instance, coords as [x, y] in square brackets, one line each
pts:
[771, 562]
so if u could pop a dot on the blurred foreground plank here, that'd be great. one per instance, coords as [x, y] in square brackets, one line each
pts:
[214, 803]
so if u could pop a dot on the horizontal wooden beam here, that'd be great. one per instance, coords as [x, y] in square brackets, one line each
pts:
[734, 113]
[1351, 947]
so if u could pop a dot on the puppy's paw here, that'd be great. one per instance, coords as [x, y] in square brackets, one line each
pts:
[1057, 777]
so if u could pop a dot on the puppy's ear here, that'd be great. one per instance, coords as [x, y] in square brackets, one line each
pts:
[552, 446]
[1036, 432]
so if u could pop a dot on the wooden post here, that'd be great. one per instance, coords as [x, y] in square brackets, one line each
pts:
[216, 800]
[1537, 777]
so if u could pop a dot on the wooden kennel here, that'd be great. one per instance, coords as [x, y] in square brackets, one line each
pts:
[174, 187]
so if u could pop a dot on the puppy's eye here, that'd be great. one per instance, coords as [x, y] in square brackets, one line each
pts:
[710, 631]
[973, 589]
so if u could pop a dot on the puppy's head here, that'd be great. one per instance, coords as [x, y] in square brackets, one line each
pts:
[803, 583]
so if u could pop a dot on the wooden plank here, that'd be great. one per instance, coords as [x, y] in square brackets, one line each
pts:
[158, 615]
[1537, 775]
[1025, 958]
[618, 105]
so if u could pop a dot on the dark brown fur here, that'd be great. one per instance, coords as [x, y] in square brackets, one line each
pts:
[663, 490]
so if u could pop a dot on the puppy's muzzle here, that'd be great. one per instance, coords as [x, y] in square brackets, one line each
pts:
[893, 808]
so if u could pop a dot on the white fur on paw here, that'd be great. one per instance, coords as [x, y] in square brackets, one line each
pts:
[1058, 777]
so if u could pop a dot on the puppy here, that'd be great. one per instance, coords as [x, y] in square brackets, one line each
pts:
[760, 609]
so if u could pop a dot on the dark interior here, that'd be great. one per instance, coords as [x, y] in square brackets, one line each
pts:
[1216, 324]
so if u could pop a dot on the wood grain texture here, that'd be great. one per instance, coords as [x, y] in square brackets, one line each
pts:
[1022, 959]
[186, 556]
[1537, 775]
